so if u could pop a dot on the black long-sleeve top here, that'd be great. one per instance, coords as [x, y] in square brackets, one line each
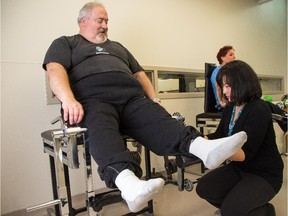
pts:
[261, 153]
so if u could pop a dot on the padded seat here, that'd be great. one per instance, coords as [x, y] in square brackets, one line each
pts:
[211, 115]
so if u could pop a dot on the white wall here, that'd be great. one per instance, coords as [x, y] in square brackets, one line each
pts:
[0, 109]
[176, 33]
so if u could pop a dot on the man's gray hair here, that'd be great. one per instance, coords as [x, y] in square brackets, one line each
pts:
[86, 10]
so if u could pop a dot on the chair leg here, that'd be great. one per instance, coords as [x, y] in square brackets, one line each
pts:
[286, 143]
[90, 194]
[54, 183]
[148, 176]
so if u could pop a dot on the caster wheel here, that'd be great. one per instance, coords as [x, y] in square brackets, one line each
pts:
[188, 185]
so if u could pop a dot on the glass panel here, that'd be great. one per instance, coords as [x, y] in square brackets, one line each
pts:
[177, 82]
[271, 84]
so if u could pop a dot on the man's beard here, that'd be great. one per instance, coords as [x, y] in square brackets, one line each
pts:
[101, 38]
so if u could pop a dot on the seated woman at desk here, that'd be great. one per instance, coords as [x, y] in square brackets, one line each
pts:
[253, 175]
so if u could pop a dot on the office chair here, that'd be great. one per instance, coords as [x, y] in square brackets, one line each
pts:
[211, 116]
[278, 115]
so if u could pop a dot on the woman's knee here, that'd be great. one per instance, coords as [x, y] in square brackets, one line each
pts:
[202, 189]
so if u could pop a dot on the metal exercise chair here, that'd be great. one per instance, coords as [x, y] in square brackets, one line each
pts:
[62, 145]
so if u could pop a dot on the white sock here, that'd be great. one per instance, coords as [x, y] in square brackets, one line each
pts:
[214, 152]
[137, 192]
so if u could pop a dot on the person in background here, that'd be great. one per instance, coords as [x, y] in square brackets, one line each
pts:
[224, 55]
[254, 174]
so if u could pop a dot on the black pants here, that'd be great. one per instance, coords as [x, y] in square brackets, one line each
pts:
[120, 108]
[236, 193]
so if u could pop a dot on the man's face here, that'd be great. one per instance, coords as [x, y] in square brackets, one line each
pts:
[96, 26]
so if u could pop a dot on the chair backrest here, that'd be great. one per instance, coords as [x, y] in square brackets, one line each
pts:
[278, 115]
[209, 99]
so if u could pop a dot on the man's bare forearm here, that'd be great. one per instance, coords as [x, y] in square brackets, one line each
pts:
[146, 84]
[59, 83]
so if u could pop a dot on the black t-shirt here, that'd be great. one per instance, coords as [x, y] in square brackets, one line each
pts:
[82, 58]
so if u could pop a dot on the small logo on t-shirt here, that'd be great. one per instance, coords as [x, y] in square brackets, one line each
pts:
[100, 50]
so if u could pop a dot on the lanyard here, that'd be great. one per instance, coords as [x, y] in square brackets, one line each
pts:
[232, 123]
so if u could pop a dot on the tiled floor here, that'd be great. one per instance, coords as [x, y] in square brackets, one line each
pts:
[172, 202]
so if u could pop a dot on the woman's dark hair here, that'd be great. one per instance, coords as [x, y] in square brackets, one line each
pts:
[243, 81]
[222, 52]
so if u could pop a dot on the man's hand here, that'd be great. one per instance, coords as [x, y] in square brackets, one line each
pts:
[72, 111]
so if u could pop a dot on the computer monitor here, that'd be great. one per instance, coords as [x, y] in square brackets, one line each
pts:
[209, 100]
